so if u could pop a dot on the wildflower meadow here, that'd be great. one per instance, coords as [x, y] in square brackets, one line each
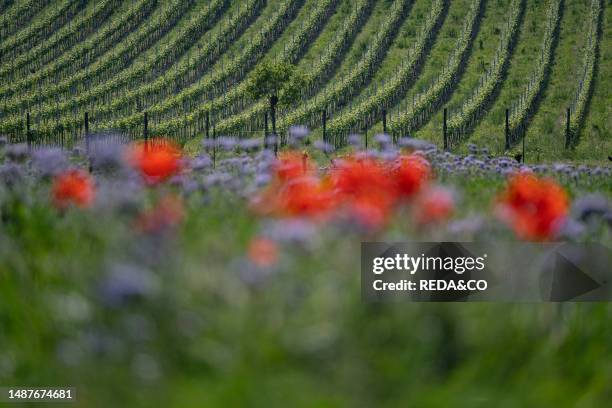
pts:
[144, 276]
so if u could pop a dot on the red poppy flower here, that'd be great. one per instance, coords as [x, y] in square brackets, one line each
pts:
[534, 207]
[367, 188]
[299, 197]
[295, 190]
[157, 160]
[306, 196]
[73, 187]
[168, 213]
[434, 204]
[263, 252]
[411, 173]
[292, 164]
[370, 211]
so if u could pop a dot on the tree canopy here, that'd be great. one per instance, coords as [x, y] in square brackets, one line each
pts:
[276, 78]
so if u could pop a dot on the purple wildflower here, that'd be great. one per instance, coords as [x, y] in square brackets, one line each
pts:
[17, 152]
[186, 185]
[323, 146]
[298, 133]
[415, 144]
[49, 161]
[608, 217]
[209, 143]
[250, 144]
[11, 174]
[591, 205]
[218, 179]
[354, 140]
[383, 140]
[290, 231]
[106, 157]
[125, 283]
[124, 195]
[572, 229]
[227, 143]
[262, 180]
[78, 151]
[470, 226]
[270, 141]
[201, 162]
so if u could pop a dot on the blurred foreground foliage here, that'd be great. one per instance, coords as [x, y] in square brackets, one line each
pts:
[210, 330]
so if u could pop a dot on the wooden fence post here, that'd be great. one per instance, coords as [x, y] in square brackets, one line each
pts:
[28, 134]
[146, 130]
[207, 128]
[86, 132]
[507, 129]
[324, 120]
[273, 103]
[266, 130]
[214, 146]
[384, 114]
[524, 137]
[567, 130]
[444, 130]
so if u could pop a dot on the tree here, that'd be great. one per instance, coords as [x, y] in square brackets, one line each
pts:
[278, 81]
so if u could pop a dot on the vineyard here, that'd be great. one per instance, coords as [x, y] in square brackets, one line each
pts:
[493, 73]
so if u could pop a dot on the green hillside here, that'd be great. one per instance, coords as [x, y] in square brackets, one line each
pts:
[184, 60]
